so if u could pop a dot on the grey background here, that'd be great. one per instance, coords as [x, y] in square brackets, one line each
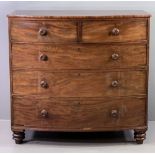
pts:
[7, 7]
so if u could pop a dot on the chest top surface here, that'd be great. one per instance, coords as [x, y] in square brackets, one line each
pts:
[84, 14]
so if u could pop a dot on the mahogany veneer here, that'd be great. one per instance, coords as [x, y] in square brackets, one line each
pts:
[79, 71]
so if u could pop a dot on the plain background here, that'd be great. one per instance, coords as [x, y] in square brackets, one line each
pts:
[7, 7]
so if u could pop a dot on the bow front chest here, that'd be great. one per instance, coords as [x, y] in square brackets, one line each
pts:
[79, 71]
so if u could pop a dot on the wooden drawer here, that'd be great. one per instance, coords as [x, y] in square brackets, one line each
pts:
[79, 84]
[43, 31]
[79, 114]
[52, 57]
[114, 31]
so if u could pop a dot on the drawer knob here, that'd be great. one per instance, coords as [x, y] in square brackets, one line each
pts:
[44, 84]
[115, 31]
[44, 113]
[43, 57]
[43, 31]
[115, 83]
[114, 113]
[115, 56]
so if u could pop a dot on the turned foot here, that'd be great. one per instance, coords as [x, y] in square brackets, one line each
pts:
[18, 136]
[139, 135]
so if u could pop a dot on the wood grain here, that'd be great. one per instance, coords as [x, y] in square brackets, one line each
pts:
[79, 84]
[76, 56]
[100, 31]
[81, 115]
[57, 31]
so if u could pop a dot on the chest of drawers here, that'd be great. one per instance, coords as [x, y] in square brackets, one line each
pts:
[79, 71]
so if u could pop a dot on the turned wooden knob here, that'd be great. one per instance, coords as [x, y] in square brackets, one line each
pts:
[115, 31]
[43, 57]
[44, 84]
[43, 31]
[115, 83]
[44, 113]
[114, 113]
[115, 56]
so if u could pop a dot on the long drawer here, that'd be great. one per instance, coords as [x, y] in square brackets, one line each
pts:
[58, 56]
[114, 31]
[79, 114]
[79, 84]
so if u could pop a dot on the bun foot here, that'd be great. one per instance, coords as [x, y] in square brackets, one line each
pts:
[18, 137]
[139, 141]
[140, 135]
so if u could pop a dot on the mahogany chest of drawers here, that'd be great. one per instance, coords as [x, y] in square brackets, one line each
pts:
[79, 71]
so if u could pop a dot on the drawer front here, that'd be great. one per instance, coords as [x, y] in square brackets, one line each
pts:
[43, 31]
[79, 115]
[114, 31]
[80, 84]
[52, 57]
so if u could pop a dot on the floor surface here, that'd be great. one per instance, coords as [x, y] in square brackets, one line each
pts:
[76, 142]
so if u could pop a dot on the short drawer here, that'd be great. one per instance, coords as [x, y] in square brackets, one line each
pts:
[43, 31]
[53, 57]
[114, 31]
[79, 114]
[80, 84]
